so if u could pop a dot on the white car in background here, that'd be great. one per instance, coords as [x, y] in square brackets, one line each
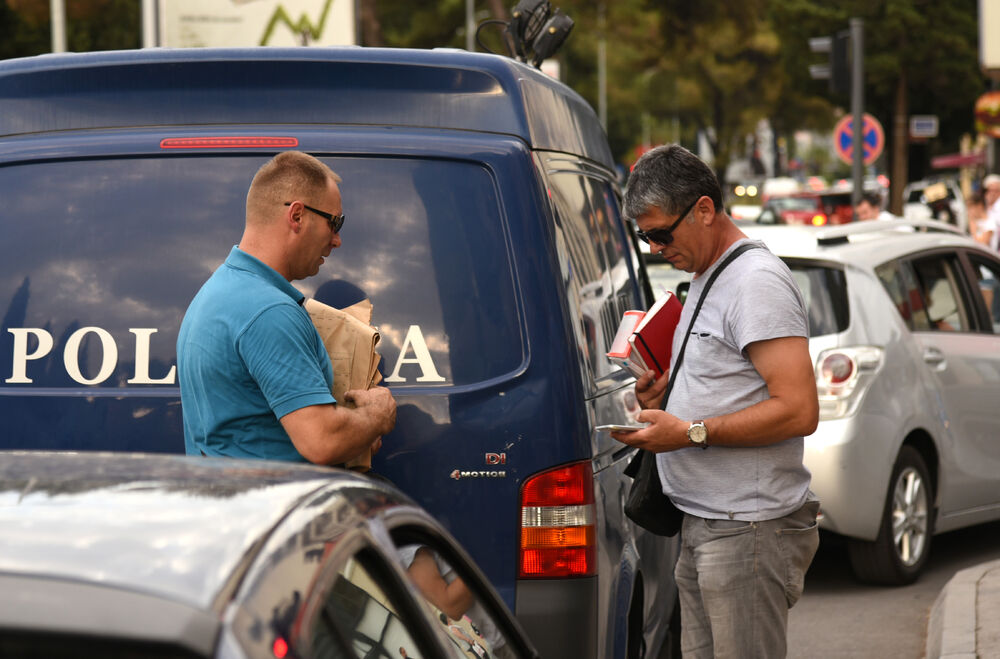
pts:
[940, 199]
[904, 321]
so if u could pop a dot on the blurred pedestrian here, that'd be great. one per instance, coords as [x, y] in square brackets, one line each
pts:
[991, 194]
[870, 208]
[975, 209]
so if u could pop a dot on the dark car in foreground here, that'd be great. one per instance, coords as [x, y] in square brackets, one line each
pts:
[130, 555]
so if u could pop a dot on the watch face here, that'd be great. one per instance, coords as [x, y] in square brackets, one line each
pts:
[698, 434]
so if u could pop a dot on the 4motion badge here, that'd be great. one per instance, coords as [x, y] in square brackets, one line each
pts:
[492, 459]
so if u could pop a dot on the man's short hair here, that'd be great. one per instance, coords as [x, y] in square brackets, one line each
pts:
[873, 198]
[991, 179]
[669, 178]
[287, 176]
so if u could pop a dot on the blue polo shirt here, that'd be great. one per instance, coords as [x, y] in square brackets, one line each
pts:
[248, 354]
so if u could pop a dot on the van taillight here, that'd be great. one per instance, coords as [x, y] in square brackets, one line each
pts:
[818, 220]
[228, 142]
[557, 523]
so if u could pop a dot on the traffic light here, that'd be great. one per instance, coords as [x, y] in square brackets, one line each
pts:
[837, 69]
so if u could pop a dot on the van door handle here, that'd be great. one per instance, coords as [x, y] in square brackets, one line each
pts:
[622, 452]
[933, 356]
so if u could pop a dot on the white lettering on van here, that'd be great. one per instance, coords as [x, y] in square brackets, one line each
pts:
[421, 356]
[142, 335]
[71, 355]
[19, 374]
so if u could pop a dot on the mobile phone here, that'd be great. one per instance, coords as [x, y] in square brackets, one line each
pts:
[615, 427]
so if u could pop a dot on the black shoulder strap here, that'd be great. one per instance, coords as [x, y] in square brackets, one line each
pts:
[704, 293]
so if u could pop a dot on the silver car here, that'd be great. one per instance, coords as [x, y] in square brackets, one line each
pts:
[905, 335]
[124, 555]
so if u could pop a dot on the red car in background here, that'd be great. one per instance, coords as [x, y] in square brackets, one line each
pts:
[815, 208]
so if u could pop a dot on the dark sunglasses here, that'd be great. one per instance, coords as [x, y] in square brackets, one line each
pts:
[335, 221]
[664, 236]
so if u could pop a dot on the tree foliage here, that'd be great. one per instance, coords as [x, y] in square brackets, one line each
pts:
[675, 68]
[921, 57]
[90, 25]
[19, 37]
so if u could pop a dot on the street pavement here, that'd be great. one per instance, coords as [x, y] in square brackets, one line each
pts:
[965, 620]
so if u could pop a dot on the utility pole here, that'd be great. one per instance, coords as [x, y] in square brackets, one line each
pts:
[149, 18]
[57, 23]
[470, 25]
[857, 107]
[835, 70]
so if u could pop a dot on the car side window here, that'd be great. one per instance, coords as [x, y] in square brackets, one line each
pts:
[939, 281]
[358, 620]
[988, 286]
[598, 281]
[902, 288]
[455, 598]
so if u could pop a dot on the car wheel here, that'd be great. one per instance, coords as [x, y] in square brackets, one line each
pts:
[904, 540]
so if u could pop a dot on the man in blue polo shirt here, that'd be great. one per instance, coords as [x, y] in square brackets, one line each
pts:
[255, 378]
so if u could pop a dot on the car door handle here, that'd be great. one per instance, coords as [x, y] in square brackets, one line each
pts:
[933, 356]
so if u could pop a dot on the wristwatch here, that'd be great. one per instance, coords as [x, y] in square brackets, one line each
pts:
[698, 434]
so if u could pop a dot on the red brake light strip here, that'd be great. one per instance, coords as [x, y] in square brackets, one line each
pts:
[228, 142]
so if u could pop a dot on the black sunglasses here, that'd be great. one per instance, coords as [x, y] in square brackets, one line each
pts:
[335, 221]
[664, 236]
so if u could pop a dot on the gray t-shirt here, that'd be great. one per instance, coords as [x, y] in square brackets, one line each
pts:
[753, 299]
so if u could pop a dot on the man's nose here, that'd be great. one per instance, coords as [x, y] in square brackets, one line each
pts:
[335, 241]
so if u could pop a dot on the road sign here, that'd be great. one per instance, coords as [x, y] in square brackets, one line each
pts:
[872, 138]
[923, 126]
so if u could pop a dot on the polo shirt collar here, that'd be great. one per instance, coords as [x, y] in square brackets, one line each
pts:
[242, 261]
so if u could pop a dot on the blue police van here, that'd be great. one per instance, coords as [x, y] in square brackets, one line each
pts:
[483, 224]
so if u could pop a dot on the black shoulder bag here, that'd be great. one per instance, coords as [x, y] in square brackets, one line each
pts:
[646, 504]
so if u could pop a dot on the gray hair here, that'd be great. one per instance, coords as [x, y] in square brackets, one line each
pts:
[669, 178]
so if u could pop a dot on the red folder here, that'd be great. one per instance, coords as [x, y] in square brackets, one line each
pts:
[651, 339]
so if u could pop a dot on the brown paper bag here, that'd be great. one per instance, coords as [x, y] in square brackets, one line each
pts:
[351, 342]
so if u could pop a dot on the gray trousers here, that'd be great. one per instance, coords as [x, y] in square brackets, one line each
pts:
[737, 581]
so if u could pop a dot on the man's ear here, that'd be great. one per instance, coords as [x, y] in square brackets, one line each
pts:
[293, 216]
[705, 210]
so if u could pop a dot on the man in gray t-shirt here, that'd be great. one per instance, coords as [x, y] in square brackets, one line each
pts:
[730, 441]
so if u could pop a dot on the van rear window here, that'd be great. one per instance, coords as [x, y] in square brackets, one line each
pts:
[101, 258]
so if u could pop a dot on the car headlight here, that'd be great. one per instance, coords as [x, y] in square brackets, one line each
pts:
[842, 377]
